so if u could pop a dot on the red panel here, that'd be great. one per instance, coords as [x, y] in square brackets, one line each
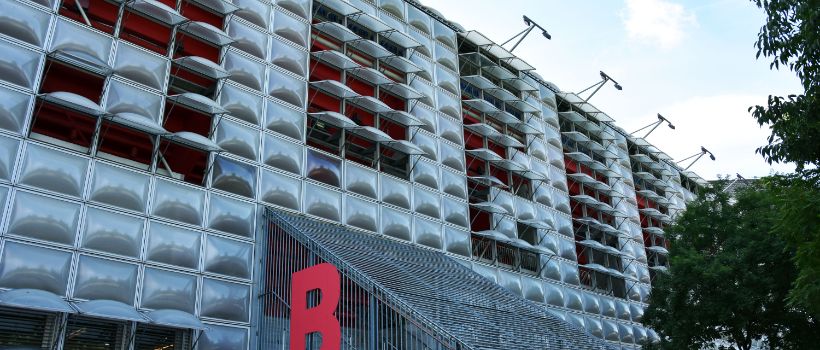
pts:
[574, 188]
[393, 101]
[361, 87]
[396, 131]
[190, 46]
[189, 162]
[101, 14]
[196, 13]
[178, 118]
[320, 71]
[146, 33]
[126, 143]
[479, 220]
[320, 102]
[472, 141]
[501, 150]
[501, 174]
[360, 116]
[319, 318]
[60, 77]
[64, 125]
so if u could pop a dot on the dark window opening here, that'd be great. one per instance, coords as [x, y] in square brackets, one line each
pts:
[62, 77]
[92, 334]
[394, 163]
[360, 116]
[21, 329]
[101, 14]
[62, 124]
[528, 262]
[197, 12]
[125, 143]
[479, 220]
[324, 136]
[152, 338]
[475, 166]
[392, 101]
[182, 163]
[522, 186]
[322, 13]
[144, 32]
[392, 47]
[184, 80]
[394, 130]
[360, 150]
[187, 45]
[179, 118]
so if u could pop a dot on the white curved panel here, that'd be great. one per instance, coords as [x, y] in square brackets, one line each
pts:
[639, 335]
[323, 202]
[428, 144]
[361, 214]
[248, 39]
[79, 41]
[227, 257]
[18, 65]
[417, 18]
[505, 225]
[221, 337]
[510, 281]
[444, 34]
[281, 190]
[254, 11]
[532, 289]
[225, 300]
[423, 87]
[395, 192]
[289, 57]
[396, 224]
[284, 120]
[287, 88]
[290, 28]
[457, 241]
[450, 130]
[560, 201]
[426, 116]
[569, 272]
[454, 184]
[553, 294]
[140, 65]
[323, 168]
[125, 98]
[178, 202]
[53, 170]
[426, 202]
[119, 187]
[234, 177]
[238, 139]
[623, 310]
[8, 156]
[105, 279]
[241, 104]
[567, 251]
[44, 218]
[504, 199]
[538, 149]
[591, 304]
[24, 22]
[625, 332]
[244, 70]
[488, 272]
[455, 212]
[426, 173]
[427, 232]
[298, 7]
[608, 307]
[173, 245]
[231, 216]
[14, 106]
[361, 180]
[448, 104]
[113, 233]
[452, 157]
[524, 209]
[551, 268]
[168, 290]
[555, 156]
[284, 155]
[572, 299]
[26, 266]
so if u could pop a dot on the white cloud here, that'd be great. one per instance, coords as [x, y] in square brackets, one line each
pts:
[657, 22]
[722, 124]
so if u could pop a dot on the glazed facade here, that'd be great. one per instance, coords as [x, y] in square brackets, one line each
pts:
[142, 142]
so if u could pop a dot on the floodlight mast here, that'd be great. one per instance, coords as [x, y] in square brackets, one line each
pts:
[703, 151]
[733, 182]
[523, 34]
[604, 78]
[655, 125]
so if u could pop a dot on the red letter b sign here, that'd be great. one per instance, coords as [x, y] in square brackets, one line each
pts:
[320, 317]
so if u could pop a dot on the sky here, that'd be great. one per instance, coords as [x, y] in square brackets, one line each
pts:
[691, 61]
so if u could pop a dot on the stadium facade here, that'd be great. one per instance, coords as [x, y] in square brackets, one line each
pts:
[168, 167]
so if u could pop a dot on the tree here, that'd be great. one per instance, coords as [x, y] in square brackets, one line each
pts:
[790, 38]
[729, 277]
